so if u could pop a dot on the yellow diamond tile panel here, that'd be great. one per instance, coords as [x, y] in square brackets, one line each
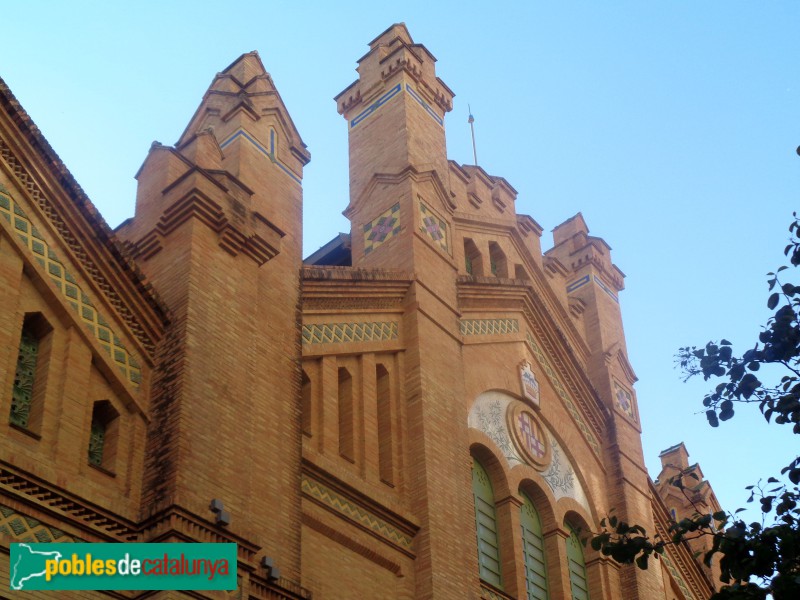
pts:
[382, 228]
[27, 529]
[433, 227]
[551, 375]
[337, 333]
[355, 513]
[488, 326]
[69, 288]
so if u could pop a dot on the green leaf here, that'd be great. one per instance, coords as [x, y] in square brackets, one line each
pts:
[773, 301]
[641, 562]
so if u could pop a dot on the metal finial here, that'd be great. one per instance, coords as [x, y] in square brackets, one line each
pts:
[471, 122]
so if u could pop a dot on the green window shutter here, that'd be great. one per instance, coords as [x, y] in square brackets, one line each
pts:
[533, 551]
[486, 526]
[22, 391]
[577, 567]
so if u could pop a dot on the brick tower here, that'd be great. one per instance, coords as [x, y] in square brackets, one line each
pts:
[402, 219]
[218, 231]
[593, 284]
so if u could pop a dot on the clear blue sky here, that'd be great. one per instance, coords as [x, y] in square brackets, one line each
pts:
[671, 126]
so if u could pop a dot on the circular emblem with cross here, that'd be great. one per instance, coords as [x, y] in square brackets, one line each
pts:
[528, 435]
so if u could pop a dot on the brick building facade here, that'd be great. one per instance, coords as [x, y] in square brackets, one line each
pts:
[426, 407]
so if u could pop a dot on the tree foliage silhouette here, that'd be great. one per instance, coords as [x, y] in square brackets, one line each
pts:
[760, 558]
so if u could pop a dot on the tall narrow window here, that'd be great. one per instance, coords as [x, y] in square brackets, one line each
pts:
[22, 394]
[577, 566]
[346, 441]
[472, 258]
[498, 260]
[383, 388]
[533, 551]
[305, 404]
[27, 395]
[103, 436]
[486, 526]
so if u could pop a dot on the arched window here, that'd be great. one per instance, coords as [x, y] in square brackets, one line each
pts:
[577, 566]
[533, 551]
[486, 526]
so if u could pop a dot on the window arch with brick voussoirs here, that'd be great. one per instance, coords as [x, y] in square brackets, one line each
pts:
[533, 550]
[486, 526]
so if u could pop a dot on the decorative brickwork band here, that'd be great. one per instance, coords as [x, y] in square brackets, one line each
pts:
[105, 525]
[488, 326]
[562, 392]
[337, 333]
[27, 529]
[355, 513]
[69, 288]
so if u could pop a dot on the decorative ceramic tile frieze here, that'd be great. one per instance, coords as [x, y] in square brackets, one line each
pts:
[337, 333]
[623, 400]
[27, 529]
[69, 288]
[488, 326]
[382, 228]
[433, 227]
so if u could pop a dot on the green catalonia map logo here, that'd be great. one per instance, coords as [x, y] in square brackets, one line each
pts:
[82, 566]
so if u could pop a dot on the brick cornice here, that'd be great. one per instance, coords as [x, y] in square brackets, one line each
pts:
[64, 506]
[90, 241]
